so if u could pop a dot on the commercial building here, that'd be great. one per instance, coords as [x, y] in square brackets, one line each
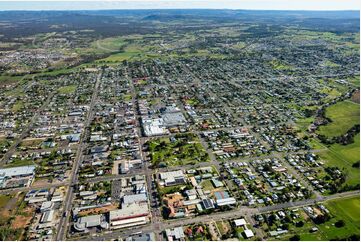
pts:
[223, 198]
[174, 119]
[16, 176]
[84, 223]
[129, 215]
[154, 127]
[172, 178]
[175, 234]
[135, 198]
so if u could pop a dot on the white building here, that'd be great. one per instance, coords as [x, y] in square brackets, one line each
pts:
[154, 127]
[172, 178]
[129, 215]
[175, 234]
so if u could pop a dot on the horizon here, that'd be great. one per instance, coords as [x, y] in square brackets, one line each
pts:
[262, 5]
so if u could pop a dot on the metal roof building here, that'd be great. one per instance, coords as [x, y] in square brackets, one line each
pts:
[134, 198]
[17, 171]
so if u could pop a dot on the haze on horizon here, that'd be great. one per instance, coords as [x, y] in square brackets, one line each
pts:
[181, 4]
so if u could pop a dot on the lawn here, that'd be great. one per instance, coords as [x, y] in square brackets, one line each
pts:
[120, 57]
[344, 156]
[344, 116]
[207, 185]
[19, 162]
[304, 231]
[67, 89]
[185, 149]
[168, 190]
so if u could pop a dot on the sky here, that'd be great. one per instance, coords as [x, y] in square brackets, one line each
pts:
[181, 4]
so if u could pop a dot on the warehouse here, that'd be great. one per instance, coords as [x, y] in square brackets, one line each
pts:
[129, 215]
[153, 127]
[16, 176]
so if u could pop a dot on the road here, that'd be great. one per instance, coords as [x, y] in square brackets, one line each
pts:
[143, 171]
[62, 227]
[232, 214]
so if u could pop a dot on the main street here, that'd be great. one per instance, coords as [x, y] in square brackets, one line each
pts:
[62, 227]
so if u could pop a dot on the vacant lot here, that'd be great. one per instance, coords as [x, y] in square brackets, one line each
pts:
[13, 217]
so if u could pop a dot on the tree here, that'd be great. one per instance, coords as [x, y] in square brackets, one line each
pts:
[285, 226]
[354, 237]
[340, 223]
[296, 237]
[356, 164]
[300, 224]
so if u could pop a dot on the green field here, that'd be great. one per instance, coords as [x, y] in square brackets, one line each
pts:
[9, 79]
[355, 80]
[343, 156]
[207, 185]
[330, 64]
[348, 210]
[110, 44]
[344, 115]
[187, 149]
[130, 52]
[67, 89]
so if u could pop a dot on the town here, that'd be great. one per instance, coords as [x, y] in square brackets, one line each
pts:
[218, 130]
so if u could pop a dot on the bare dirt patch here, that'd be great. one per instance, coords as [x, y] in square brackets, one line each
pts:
[356, 97]
[98, 210]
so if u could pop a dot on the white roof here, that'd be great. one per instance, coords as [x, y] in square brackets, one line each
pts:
[127, 199]
[17, 171]
[248, 233]
[176, 232]
[240, 222]
[46, 205]
[128, 221]
[91, 220]
[226, 201]
[171, 174]
[129, 210]
[154, 127]
[172, 119]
